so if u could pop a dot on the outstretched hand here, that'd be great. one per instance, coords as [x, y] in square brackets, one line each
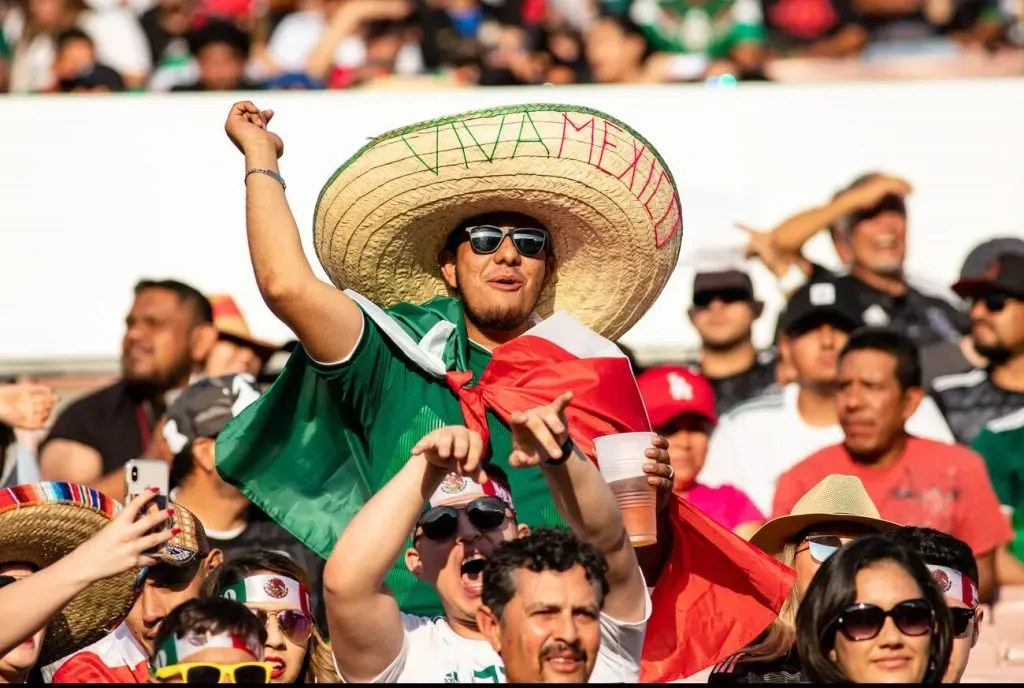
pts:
[455, 449]
[246, 126]
[538, 434]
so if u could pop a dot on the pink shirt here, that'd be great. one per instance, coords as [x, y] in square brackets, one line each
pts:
[726, 505]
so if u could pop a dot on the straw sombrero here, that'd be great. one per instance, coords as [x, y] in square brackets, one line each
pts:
[836, 499]
[603, 190]
[232, 326]
[43, 522]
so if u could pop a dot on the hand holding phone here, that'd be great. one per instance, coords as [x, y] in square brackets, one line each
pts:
[144, 474]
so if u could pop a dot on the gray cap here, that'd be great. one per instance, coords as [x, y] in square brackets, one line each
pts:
[982, 255]
[206, 406]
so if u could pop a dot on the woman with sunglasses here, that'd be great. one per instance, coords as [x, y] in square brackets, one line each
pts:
[210, 640]
[831, 514]
[874, 614]
[276, 590]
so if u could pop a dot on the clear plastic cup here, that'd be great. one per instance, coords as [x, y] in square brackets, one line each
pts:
[621, 461]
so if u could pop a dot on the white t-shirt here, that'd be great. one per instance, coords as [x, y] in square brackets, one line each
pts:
[434, 653]
[763, 437]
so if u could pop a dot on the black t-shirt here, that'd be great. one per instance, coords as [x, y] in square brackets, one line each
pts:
[793, 24]
[111, 421]
[733, 389]
[262, 533]
[971, 400]
[743, 669]
[927, 320]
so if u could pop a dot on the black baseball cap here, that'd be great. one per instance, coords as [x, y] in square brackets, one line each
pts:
[830, 301]
[205, 407]
[723, 280]
[982, 255]
[1004, 274]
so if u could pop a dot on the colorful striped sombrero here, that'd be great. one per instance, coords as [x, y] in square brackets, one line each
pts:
[44, 522]
[603, 190]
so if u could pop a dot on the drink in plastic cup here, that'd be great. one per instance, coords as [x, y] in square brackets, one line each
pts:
[621, 461]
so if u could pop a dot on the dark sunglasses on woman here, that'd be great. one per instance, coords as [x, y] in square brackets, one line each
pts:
[865, 621]
[296, 625]
[529, 241]
[442, 522]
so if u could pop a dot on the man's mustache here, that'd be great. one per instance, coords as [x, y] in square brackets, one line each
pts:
[574, 650]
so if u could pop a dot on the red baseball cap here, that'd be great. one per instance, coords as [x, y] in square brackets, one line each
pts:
[670, 391]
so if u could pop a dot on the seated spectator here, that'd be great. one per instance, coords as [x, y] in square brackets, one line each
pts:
[50, 601]
[984, 395]
[553, 569]
[468, 515]
[220, 50]
[120, 656]
[207, 640]
[913, 481]
[723, 312]
[830, 515]
[231, 523]
[681, 407]
[789, 424]
[727, 35]
[953, 566]
[616, 51]
[168, 335]
[166, 25]
[277, 591]
[898, 28]
[1001, 444]
[95, 79]
[457, 33]
[874, 614]
[813, 28]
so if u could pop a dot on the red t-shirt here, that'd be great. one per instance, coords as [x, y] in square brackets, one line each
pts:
[933, 485]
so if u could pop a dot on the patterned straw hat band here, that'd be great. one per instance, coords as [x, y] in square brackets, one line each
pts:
[177, 650]
[274, 589]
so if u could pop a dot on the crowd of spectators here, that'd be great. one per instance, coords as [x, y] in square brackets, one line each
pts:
[233, 45]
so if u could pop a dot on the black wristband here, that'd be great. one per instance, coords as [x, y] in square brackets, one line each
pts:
[567, 448]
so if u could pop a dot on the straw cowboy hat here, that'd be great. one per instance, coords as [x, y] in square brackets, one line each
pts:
[603, 190]
[231, 325]
[836, 499]
[42, 523]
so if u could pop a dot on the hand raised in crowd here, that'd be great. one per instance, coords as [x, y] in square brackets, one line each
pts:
[871, 192]
[26, 406]
[120, 545]
[454, 448]
[538, 434]
[246, 126]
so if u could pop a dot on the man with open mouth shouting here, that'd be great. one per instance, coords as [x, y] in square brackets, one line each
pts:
[469, 513]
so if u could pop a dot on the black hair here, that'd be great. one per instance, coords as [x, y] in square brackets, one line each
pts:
[219, 31]
[186, 293]
[204, 615]
[544, 549]
[73, 34]
[834, 587]
[182, 465]
[939, 549]
[629, 28]
[894, 343]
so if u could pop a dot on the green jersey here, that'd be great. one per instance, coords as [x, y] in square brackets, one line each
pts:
[324, 438]
[1001, 444]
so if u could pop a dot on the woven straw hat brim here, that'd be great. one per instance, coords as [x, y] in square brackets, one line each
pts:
[604, 192]
[775, 534]
[41, 534]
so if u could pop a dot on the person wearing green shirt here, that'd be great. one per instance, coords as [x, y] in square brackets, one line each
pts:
[1001, 444]
[445, 240]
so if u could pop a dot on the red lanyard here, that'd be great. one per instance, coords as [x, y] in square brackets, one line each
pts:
[145, 427]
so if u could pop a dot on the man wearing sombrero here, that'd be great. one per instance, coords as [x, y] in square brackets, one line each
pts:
[516, 212]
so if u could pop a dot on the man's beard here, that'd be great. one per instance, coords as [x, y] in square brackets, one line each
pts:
[995, 354]
[727, 345]
[495, 319]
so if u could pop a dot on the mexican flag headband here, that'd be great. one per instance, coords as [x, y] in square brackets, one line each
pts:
[177, 650]
[955, 584]
[275, 589]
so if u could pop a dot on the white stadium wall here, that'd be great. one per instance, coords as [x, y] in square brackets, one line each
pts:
[98, 191]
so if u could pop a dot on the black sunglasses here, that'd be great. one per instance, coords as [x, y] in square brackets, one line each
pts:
[703, 299]
[529, 241]
[994, 301]
[442, 522]
[865, 621]
[961, 620]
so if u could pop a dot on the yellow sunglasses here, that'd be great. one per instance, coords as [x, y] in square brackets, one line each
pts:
[206, 672]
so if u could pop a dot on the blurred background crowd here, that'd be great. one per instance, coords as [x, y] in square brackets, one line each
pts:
[228, 45]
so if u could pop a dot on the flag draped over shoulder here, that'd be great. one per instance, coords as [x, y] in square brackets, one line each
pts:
[716, 594]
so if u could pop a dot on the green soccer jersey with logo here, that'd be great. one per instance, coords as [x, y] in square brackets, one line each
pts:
[1001, 444]
[324, 438]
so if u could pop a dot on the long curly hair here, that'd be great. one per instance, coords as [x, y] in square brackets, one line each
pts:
[318, 665]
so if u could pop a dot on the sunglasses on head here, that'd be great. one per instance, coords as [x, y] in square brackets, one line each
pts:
[442, 522]
[962, 619]
[529, 241]
[865, 621]
[296, 625]
[994, 301]
[703, 299]
[207, 672]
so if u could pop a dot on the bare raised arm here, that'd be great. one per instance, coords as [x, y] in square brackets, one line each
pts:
[326, 321]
